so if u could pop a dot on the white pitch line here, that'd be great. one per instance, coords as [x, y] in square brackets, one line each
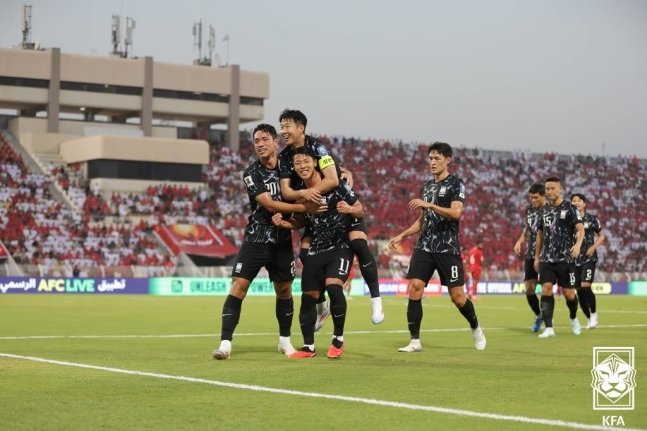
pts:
[370, 401]
[264, 334]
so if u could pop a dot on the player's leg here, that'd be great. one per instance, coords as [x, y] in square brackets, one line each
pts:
[530, 282]
[231, 316]
[582, 297]
[323, 308]
[421, 268]
[548, 278]
[251, 257]
[282, 272]
[368, 267]
[452, 275]
[311, 282]
[336, 271]
[566, 279]
[588, 273]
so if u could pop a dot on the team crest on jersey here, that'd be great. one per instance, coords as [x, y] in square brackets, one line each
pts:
[321, 151]
[442, 191]
[587, 225]
[248, 181]
[239, 267]
[562, 214]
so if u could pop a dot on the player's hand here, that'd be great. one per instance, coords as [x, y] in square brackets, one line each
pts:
[347, 176]
[315, 207]
[344, 208]
[575, 251]
[311, 195]
[277, 219]
[417, 203]
[517, 248]
[590, 251]
[393, 242]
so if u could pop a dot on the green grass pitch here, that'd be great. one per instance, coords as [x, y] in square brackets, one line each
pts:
[518, 383]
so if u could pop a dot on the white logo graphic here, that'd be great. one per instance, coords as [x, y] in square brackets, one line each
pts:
[239, 267]
[614, 378]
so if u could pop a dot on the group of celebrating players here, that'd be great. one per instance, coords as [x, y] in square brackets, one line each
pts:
[303, 187]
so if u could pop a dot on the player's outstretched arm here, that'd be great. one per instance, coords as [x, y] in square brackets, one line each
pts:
[296, 222]
[411, 230]
[356, 210]
[265, 199]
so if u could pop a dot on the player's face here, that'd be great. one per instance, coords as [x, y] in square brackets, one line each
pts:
[437, 163]
[537, 200]
[291, 131]
[579, 203]
[553, 191]
[264, 144]
[304, 166]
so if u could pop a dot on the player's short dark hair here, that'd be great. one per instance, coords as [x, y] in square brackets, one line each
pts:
[537, 188]
[578, 195]
[553, 179]
[267, 128]
[304, 151]
[295, 115]
[441, 148]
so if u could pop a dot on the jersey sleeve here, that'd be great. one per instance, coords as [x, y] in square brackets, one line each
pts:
[285, 165]
[575, 216]
[458, 192]
[597, 226]
[253, 183]
[324, 157]
[540, 220]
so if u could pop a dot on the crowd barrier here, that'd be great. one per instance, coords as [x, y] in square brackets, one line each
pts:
[193, 286]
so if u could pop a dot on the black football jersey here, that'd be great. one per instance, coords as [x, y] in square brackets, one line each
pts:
[258, 180]
[330, 229]
[324, 158]
[532, 221]
[592, 228]
[439, 234]
[557, 224]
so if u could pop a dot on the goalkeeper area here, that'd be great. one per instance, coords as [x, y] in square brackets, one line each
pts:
[144, 362]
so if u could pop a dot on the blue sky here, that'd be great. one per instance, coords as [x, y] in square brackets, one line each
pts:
[552, 75]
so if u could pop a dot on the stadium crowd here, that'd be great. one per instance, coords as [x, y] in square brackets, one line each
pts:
[37, 229]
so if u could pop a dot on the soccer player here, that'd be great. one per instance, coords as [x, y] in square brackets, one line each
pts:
[293, 130]
[559, 238]
[329, 256]
[263, 245]
[438, 246]
[586, 262]
[536, 195]
[475, 256]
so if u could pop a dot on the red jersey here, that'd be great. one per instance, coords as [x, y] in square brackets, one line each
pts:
[475, 258]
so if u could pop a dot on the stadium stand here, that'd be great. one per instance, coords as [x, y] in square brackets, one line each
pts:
[38, 230]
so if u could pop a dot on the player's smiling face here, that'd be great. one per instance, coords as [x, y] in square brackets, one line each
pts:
[291, 131]
[437, 163]
[304, 166]
[264, 144]
[578, 202]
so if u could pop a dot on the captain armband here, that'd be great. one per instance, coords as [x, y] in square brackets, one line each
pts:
[325, 161]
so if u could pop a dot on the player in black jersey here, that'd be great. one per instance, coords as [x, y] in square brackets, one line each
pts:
[559, 237]
[536, 195]
[437, 247]
[586, 262]
[264, 244]
[293, 126]
[329, 257]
